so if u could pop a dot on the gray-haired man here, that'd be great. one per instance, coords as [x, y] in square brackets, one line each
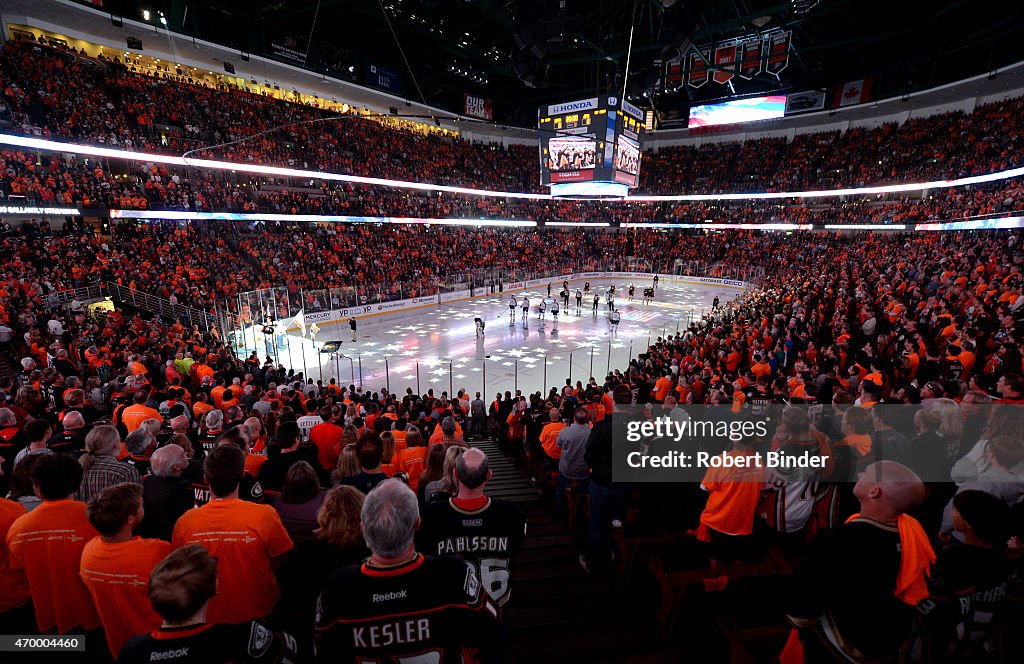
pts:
[400, 603]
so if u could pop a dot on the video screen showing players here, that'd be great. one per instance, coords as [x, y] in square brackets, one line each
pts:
[571, 154]
[627, 156]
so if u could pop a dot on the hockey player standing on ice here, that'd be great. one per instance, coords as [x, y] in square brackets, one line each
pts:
[586, 287]
[597, 301]
[632, 290]
[565, 297]
[512, 304]
[541, 308]
[479, 327]
[554, 311]
[526, 310]
[613, 319]
[579, 300]
[610, 299]
[714, 303]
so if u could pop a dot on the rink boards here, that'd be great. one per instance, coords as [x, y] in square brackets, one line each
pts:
[367, 310]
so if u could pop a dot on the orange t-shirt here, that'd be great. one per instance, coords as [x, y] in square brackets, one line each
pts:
[203, 371]
[47, 544]
[761, 368]
[549, 439]
[134, 415]
[859, 441]
[244, 537]
[327, 439]
[117, 576]
[733, 497]
[411, 461]
[253, 463]
[217, 394]
[661, 388]
[199, 408]
[13, 585]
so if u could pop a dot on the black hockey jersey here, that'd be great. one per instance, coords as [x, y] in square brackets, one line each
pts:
[251, 642]
[425, 610]
[488, 536]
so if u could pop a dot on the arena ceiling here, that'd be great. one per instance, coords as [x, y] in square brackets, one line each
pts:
[524, 53]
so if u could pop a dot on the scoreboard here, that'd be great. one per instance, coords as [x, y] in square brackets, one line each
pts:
[590, 147]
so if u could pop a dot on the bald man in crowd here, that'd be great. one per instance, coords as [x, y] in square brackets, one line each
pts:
[485, 531]
[70, 437]
[166, 495]
[857, 591]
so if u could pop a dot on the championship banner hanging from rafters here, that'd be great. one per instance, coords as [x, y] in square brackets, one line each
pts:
[725, 63]
[778, 52]
[699, 74]
[746, 58]
[749, 57]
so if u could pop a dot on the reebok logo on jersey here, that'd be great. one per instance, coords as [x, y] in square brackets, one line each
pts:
[387, 597]
[168, 654]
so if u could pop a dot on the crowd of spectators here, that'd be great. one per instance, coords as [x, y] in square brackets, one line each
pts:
[54, 93]
[932, 322]
[894, 357]
[201, 264]
[851, 323]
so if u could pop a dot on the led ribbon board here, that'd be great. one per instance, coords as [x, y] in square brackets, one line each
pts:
[89, 150]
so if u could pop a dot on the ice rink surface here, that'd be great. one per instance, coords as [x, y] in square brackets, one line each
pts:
[437, 346]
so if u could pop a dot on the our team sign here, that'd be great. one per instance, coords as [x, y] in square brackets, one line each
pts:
[478, 107]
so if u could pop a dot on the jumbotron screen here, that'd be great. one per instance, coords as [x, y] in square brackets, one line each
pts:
[587, 142]
[738, 111]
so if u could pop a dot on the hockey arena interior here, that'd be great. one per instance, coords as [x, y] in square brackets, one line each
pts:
[508, 331]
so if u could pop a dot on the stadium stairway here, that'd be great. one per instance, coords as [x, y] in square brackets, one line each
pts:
[8, 365]
[558, 612]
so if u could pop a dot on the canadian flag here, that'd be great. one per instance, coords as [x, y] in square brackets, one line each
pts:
[854, 92]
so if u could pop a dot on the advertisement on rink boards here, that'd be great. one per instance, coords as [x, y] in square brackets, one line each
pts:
[455, 295]
[366, 309]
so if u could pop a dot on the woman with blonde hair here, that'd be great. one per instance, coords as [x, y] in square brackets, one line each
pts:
[337, 542]
[348, 464]
[447, 486]
[351, 414]
[349, 435]
[951, 424]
